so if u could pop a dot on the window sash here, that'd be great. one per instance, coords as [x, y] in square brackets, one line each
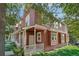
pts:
[38, 36]
[53, 35]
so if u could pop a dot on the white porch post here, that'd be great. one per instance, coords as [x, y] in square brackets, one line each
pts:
[24, 41]
[67, 39]
[44, 38]
[34, 45]
[35, 37]
[12, 37]
[19, 38]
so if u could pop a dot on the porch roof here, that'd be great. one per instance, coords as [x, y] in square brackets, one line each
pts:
[38, 27]
[42, 27]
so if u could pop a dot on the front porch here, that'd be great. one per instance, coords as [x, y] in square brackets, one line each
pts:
[31, 49]
[38, 38]
[35, 39]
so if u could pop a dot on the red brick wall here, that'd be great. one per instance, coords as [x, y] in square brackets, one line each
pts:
[27, 35]
[65, 37]
[63, 40]
[59, 38]
[46, 38]
[32, 17]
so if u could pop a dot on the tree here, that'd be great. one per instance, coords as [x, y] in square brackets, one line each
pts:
[71, 19]
[2, 27]
[12, 17]
[73, 29]
[71, 10]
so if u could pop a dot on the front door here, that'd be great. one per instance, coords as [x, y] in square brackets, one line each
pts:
[31, 39]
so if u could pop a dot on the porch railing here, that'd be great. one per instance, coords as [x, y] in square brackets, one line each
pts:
[30, 49]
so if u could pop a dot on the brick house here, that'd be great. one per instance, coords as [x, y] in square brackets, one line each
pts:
[30, 34]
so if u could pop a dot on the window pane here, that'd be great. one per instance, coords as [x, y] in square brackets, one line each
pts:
[62, 36]
[53, 36]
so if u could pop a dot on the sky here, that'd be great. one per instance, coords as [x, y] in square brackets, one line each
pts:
[59, 13]
[21, 12]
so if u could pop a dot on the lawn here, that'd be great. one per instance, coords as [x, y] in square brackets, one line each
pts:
[64, 51]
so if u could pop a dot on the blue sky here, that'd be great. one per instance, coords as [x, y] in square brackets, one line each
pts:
[57, 11]
[60, 13]
[21, 12]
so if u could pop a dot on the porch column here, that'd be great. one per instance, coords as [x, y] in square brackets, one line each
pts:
[19, 39]
[45, 39]
[24, 41]
[67, 38]
[35, 36]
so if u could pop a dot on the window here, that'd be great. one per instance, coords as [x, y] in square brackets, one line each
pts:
[56, 25]
[60, 25]
[62, 36]
[53, 36]
[27, 20]
[38, 36]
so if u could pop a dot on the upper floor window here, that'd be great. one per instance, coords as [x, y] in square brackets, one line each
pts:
[60, 25]
[27, 20]
[56, 25]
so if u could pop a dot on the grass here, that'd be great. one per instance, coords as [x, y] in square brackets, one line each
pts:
[64, 51]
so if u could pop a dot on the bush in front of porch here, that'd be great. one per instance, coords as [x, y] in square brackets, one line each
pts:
[18, 51]
[70, 50]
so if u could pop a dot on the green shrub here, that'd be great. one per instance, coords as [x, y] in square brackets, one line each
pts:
[18, 51]
[64, 51]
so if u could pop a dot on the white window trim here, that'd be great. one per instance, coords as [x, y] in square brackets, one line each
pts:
[40, 37]
[51, 36]
[60, 25]
[52, 41]
[27, 20]
[62, 36]
[56, 25]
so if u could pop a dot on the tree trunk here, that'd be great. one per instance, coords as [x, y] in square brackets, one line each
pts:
[2, 28]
